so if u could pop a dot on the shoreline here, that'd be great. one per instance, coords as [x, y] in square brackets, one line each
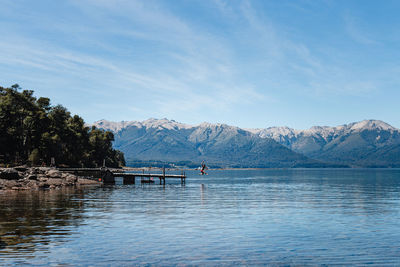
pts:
[39, 178]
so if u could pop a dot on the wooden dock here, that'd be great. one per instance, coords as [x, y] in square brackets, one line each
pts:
[107, 176]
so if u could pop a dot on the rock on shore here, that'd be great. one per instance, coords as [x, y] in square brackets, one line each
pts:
[25, 178]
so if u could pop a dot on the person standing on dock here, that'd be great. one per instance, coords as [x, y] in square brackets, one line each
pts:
[203, 168]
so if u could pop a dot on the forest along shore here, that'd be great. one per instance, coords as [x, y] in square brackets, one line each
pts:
[27, 178]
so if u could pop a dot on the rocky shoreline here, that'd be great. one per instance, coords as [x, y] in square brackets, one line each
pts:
[35, 178]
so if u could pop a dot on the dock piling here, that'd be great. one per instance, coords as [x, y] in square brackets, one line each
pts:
[108, 175]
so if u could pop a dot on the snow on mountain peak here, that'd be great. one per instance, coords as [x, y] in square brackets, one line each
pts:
[216, 125]
[276, 132]
[326, 132]
[323, 131]
[215, 128]
[111, 125]
[165, 123]
[371, 125]
[149, 123]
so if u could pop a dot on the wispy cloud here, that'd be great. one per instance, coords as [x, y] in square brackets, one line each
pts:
[201, 61]
[201, 68]
[153, 57]
[353, 29]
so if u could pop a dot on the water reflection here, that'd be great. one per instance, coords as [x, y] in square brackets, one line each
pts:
[29, 219]
[369, 189]
[252, 217]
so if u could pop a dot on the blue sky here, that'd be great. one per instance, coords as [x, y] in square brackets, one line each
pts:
[245, 63]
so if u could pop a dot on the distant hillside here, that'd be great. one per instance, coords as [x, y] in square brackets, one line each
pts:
[369, 143]
[219, 144]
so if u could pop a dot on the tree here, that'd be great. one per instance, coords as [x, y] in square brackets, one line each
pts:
[33, 130]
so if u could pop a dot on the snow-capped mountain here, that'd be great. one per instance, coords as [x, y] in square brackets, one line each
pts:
[220, 144]
[365, 143]
[358, 143]
[150, 123]
[282, 134]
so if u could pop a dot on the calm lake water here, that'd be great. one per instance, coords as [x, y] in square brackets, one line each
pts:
[240, 217]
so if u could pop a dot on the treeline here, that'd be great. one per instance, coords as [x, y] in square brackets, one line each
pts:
[137, 163]
[32, 131]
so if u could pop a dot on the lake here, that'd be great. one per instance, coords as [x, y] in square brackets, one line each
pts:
[230, 217]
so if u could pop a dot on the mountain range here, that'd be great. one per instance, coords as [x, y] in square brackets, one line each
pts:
[369, 143]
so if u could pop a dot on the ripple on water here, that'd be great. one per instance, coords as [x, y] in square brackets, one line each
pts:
[252, 217]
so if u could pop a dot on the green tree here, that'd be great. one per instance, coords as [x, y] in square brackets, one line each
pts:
[32, 130]
[34, 157]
